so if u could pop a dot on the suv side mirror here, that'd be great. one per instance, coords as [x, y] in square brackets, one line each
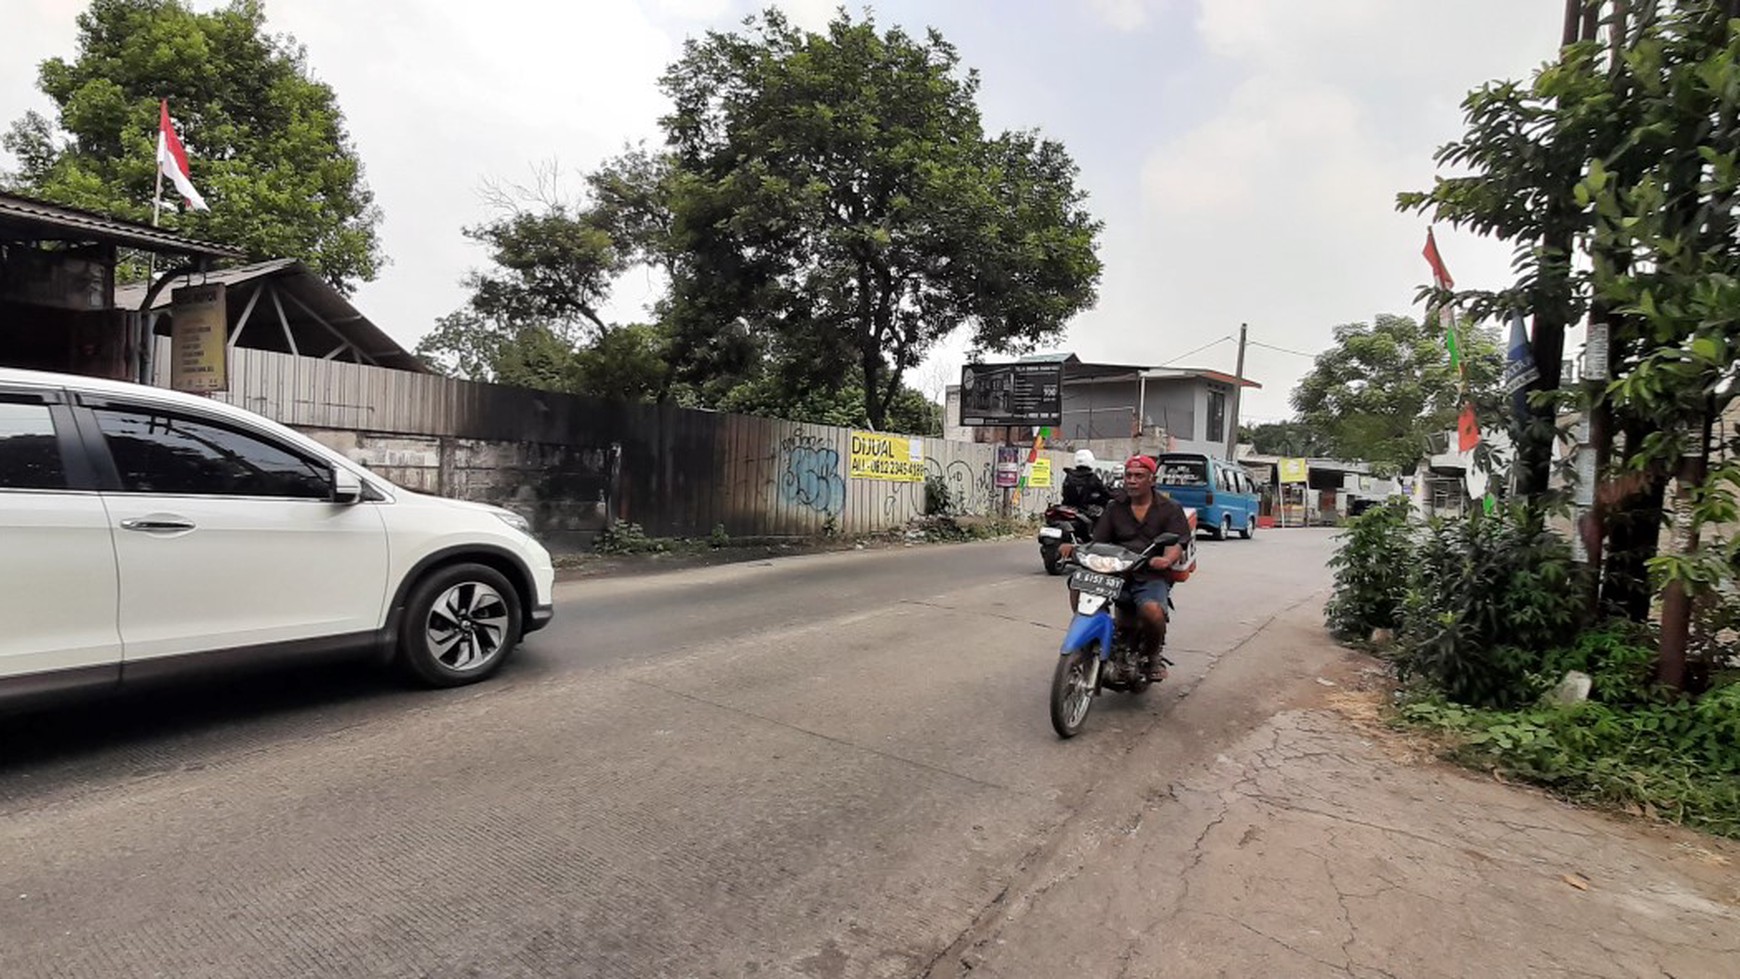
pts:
[346, 487]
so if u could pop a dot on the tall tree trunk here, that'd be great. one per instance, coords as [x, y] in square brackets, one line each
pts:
[1676, 609]
[1634, 526]
[1552, 301]
[870, 362]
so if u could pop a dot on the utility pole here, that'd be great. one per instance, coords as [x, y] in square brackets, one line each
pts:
[1595, 454]
[1232, 435]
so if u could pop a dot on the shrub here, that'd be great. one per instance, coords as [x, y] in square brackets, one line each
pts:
[1489, 595]
[627, 538]
[1371, 572]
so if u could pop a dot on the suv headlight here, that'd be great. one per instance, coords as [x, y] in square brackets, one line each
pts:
[514, 520]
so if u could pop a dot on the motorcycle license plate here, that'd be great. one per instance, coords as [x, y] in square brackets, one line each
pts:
[1050, 533]
[1094, 583]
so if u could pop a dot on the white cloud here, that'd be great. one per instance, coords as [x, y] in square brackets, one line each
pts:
[460, 100]
[1277, 206]
[694, 9]
[1125, 15]
[812, 15]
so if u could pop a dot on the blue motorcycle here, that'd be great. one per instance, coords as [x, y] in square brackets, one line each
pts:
[1101, 650]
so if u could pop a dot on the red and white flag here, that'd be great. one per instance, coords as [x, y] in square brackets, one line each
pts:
[172, 161]
[1440, 274]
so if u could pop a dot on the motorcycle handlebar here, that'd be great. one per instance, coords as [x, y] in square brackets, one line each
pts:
[1158, 544]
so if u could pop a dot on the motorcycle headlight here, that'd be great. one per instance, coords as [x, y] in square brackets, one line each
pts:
[1105, 564]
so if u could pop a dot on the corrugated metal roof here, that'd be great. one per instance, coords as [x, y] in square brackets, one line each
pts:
[34, 220]
[307, 294]
[129, 295]
[1162, 373]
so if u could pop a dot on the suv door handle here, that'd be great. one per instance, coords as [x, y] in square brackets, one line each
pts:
[156, 526]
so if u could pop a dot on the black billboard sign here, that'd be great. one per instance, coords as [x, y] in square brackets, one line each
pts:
[1011, 394]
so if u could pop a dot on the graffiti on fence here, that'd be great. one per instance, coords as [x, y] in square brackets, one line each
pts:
[809, 473]
[972, 488]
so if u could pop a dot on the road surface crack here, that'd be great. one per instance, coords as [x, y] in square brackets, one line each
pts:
[828, 737]
[1047, 626]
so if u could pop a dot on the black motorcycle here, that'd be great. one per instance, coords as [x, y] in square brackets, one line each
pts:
[1065, 525]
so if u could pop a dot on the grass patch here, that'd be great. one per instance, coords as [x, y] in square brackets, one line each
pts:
[1676, 761]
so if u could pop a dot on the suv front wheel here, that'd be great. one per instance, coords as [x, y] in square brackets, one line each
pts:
[459, 626]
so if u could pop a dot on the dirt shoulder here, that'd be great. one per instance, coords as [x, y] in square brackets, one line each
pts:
[1302, 837]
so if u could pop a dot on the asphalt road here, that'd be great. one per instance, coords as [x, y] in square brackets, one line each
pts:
[828, 765]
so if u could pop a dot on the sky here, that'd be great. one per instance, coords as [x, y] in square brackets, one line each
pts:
[1244, 155]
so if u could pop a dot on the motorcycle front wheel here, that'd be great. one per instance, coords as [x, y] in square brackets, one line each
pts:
[1072, 692]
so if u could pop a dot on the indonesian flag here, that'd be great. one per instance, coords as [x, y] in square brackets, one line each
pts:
[1440, 274]
[172, 161]
[1446, 313]
[1467, 427]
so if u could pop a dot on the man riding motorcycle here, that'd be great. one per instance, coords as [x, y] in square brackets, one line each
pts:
[1082, 485]
[1137, 515]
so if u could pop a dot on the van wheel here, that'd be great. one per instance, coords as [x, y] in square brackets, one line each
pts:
[1250, 528]
[460, 624]
[1226, 528]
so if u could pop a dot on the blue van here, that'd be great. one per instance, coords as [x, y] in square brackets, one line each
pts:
[1224, 495]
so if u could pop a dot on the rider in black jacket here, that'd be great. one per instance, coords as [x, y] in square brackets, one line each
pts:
[1082, 485]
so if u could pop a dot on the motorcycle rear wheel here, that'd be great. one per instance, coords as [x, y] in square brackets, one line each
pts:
[1071, 695]
[1053, 563]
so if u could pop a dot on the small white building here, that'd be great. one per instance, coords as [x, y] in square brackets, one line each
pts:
[1118, 409]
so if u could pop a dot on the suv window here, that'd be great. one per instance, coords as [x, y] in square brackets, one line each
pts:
[161, 453]
[29, 454]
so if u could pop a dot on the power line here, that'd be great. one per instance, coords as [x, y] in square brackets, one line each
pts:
[1198, 350]
[1270, 346]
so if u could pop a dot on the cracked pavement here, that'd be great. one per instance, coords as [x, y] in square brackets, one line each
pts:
[1304, 848]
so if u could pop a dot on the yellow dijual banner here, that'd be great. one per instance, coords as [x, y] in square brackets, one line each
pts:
[895, 458]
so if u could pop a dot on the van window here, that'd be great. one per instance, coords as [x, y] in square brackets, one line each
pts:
[1183, 471]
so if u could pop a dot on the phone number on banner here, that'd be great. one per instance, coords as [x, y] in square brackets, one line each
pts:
[894, 458]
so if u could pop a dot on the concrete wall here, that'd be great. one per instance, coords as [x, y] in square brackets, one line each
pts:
[563, 490]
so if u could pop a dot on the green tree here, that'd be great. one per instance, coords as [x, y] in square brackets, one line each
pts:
[624, 363]
[266, 142]
[1626, 148]
[910, 413]
[837, 191]
[1666, 260]
[1386, 387]
[1294, 439]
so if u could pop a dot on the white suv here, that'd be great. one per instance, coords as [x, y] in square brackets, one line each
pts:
[144, 533]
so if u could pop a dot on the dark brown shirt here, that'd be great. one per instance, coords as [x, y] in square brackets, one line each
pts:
[1118, 525]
